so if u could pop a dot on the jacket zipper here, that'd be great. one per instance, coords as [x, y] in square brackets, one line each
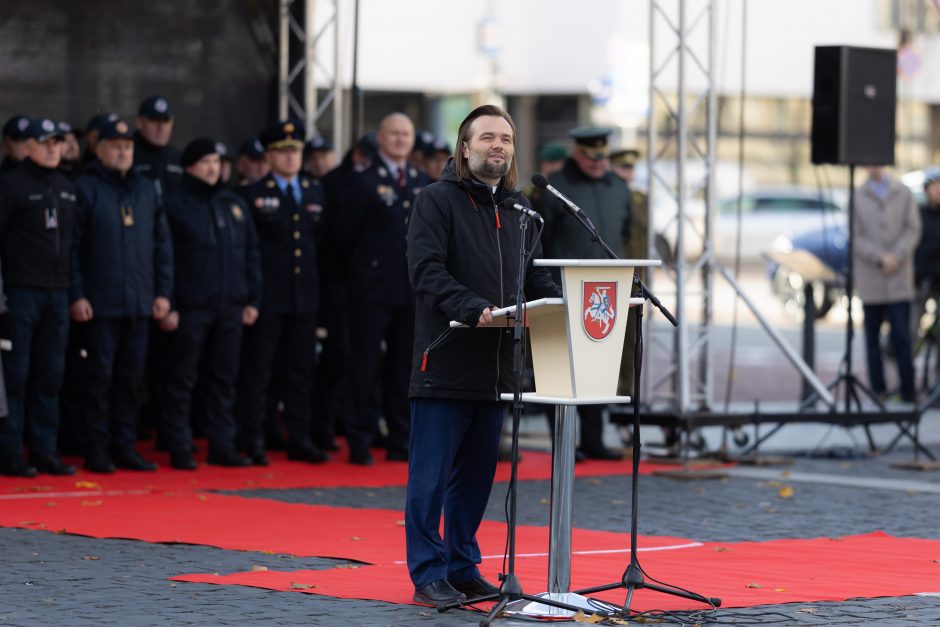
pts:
[499, 257]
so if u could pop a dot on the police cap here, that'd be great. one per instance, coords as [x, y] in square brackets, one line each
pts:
[155, 108]
[625, 158]
[286, 134]
[436, 146]
[15, 127]
[116, 129]
[99, 120]
[42, 130]
[318, 143]
[251, 148]
[591, 141]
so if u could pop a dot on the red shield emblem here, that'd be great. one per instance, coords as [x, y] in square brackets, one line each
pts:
[599, 300]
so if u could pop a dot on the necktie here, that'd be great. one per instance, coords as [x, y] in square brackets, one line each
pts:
[294, 191]
[402, 179]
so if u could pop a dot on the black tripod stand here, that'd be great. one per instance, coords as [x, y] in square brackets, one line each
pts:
[510, 589]
[633, 578]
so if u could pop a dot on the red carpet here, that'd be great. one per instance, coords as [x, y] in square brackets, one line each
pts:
[741, 574]
[338, 473]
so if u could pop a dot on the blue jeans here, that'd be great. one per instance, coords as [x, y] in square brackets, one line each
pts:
[452, 461]
[898, 316]
[37, 325]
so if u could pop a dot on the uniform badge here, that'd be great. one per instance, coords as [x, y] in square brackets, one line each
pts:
[121, 127]
[598, 298]
[259, 202]
[386, 193]
[270, 184]
[237, 213]
[22, 123]
[288, 128]
[160, 105]
[412, 173]
[383, 172]
[305, 183]
[48, 126]
[52, 219]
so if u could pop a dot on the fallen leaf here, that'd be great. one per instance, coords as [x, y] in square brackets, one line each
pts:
[424, 613]
[769, 510]
[249, 483]
[595, 482]
[202, 497]
[257, 568]
[648, 619]
[27, 523]
[785, 473]
[836, 539]
[780, 589]
[62, 531]
[543, 501]
[370, 495]
[301, 586]
[91, 485]
[91, 558]
[617, 502]
[355, 538]
[347, 566]
[33, 488]
[786, 492]
[719, 549]
[400, 523]
[592, 619]
[92, 503]
[808, 610]
[753, 585]
[773, 484]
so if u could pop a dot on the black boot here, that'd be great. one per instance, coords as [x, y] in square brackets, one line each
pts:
[98, 460]
[51, 464]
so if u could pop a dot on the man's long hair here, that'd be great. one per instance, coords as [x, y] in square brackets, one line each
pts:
[461, 163]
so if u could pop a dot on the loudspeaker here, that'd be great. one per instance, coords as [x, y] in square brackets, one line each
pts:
[854, 103]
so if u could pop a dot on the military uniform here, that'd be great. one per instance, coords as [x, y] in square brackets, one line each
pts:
[288, 226]
[157, 163]
[606, 201]
[369, 235]
[37, 208]
[218, 274]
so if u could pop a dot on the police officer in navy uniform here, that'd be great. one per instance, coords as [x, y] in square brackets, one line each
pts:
[154, 157]
[14, 142]
[369, 235]
[217, 291]
[587, 180]
[251, 166]
[122, 276]
[37, 208]
[287, 209]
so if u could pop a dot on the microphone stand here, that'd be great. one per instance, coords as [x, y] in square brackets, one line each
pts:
[510, 589]
[633, 577]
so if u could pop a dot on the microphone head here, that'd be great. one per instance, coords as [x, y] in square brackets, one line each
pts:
[539, 181]
[509, 204]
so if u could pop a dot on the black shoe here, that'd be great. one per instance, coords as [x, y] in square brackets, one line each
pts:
[231, 458]
[439, 593]
[361, 457]
[99, 461]
[306, 452]
[129, 459]
[16, 466]
[478, 587]
[51, 464]
[329, 444]
[257, 455]
[182, 460]
[603, 453]
[396, 455]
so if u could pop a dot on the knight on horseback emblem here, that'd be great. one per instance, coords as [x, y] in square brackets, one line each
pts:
[599, 300]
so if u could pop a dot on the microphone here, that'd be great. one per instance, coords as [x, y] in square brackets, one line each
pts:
[542, 183]
[509, 205]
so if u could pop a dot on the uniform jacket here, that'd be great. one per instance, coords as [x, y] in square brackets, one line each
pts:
[890, 225]
[122, 257]
[215, 247]
[606, 201]
[368, 229]
[37, 215]
[287, 237]
[461, 260]
[927, 255]
[157, 163]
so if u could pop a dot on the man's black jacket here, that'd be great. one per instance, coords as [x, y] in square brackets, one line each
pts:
[463, 256]
[215, 247]
[122, 257]
[37, 214]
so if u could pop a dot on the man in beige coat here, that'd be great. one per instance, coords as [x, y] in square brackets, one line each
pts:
[887, 229]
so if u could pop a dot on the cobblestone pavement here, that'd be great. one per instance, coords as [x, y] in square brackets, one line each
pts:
[70, 580]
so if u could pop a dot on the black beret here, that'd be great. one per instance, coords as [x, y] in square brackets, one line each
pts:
[197, 149]
[156, 108]
[15, 127]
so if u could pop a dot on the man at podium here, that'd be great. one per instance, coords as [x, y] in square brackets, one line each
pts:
[463, 258]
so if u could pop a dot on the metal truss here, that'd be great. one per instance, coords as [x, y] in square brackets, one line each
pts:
[680, 163]
[300, 49]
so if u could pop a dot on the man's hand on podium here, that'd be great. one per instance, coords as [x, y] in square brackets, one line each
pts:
[486, 317]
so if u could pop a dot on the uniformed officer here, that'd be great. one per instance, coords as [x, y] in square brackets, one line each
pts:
[319, 157]
[251, 164]
[122, 276]
[91, 135]
[369, 235]
[37, 207]
[436, 155]
[154, 157]
[587, 180]
[287, 209]
[14, 142]
[217, 290]
[71, 161]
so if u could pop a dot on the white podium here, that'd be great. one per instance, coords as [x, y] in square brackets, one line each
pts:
[577, 344]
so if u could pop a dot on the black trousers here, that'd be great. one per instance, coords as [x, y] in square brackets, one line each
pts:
[295, 334]
[213, 338]
[331, 384]
[369, 324]
[113, 368]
